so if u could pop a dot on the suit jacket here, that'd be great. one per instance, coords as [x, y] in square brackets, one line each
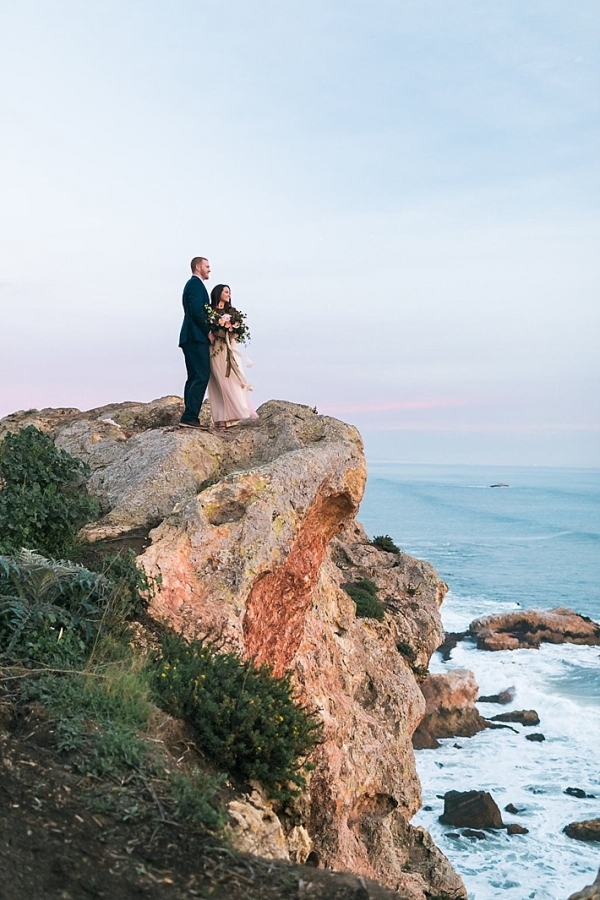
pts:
[195, 327]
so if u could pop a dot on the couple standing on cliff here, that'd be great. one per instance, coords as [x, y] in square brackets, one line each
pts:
[211, 329]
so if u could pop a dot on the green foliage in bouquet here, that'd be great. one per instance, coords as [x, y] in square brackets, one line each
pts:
[364, 594]
[385, 542]
[231, 320]
[42, 504]
[245, 719]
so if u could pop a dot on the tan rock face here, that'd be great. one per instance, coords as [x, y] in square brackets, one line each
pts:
[454, 690]
[253, 533]
[255, 828]
[450, 709]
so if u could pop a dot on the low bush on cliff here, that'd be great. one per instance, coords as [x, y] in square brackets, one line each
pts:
[364, 594]
[385, 542]
[52, 613]
[42, 503]
[66, 643]
[104, 724]
[245, 719]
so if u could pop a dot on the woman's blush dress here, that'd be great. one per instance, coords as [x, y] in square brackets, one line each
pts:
[228, 390]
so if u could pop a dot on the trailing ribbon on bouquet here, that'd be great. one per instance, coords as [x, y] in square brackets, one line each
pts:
[232, 363]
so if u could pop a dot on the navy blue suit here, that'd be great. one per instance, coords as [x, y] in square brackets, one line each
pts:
[195, 344]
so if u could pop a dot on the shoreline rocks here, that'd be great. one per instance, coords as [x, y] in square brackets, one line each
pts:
[531, 628]
[579, 793]
[503, 698]
[471, 809]
[587, 830]
[522, 716]
[450, 708]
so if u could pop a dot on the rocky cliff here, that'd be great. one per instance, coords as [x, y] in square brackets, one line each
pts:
[253, 532]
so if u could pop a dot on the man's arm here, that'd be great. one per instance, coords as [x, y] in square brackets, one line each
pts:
[197, 299]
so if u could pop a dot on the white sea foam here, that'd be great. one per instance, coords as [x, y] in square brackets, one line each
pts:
[532, 776]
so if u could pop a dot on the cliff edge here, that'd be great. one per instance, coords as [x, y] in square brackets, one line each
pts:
[253, 532]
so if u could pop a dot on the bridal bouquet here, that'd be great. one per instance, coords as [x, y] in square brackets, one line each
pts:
[232, 321]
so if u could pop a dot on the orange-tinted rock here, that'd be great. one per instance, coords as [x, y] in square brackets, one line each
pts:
[253, 532]
[450, 710]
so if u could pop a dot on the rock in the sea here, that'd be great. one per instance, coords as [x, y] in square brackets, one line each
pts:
[591, 892]
[588, 830]
[538, 737]
[514, 828]
[450, 709]
[451, 639]
[252, 531]
[578, 792]
[491, 724]
[530, 628]
[512, 809]
[473, 809]
[504, 697]
[474, 834]
[523, 716]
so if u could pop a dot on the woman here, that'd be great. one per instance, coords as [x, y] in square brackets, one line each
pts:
[228, 390]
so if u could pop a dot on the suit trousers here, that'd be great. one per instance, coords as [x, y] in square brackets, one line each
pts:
[197, 363]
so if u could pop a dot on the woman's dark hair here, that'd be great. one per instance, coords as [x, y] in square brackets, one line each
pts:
[215, 295]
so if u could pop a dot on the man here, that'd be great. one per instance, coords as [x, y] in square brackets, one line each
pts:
[195, 340]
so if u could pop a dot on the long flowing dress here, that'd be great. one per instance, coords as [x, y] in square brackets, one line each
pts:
[228, 390]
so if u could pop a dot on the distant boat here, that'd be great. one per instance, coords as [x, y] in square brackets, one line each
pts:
[500, 484]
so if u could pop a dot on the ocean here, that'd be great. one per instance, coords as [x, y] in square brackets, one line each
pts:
[531, 542]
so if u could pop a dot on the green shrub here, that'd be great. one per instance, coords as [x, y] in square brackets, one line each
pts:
[385, 542]
[42, 504]
[99, 714]
[407, 651]
[364, 594]
[115, 748]
[105, 723]
[51, 613]
[131, 584]
[245, 719]
[194, 799]
[365, 584]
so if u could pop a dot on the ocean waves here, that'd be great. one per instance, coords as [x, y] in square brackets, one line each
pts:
[558, 682]
[533, 545]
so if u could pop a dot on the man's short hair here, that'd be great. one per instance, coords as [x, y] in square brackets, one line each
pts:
[196, 262]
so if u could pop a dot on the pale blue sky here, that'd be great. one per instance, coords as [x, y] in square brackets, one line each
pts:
[402, 195]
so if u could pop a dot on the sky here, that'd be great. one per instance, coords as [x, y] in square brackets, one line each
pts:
[402, 194]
